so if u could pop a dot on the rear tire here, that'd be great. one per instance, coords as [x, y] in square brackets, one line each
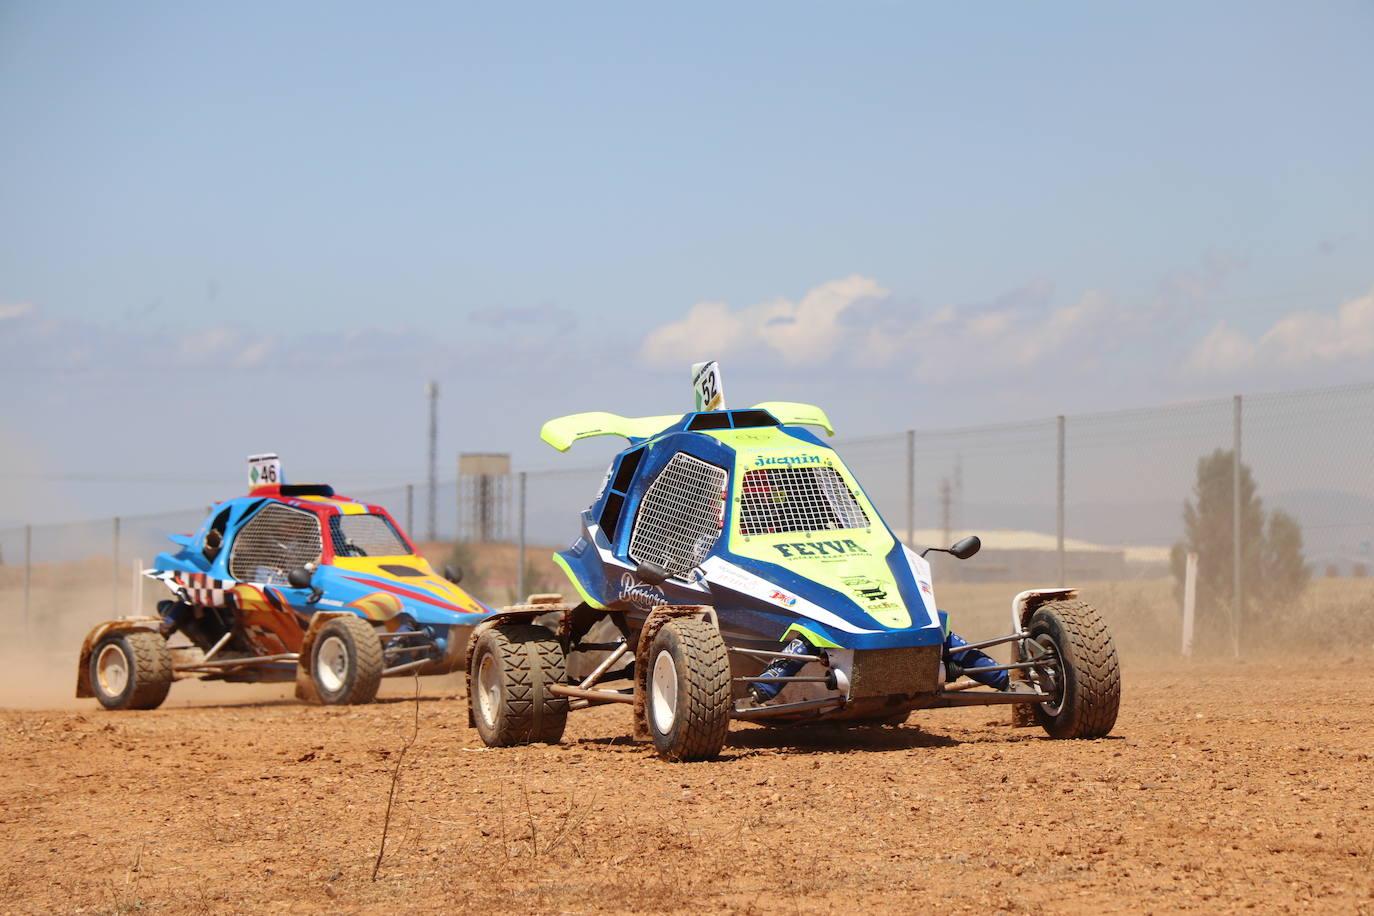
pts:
[131, 670]
[1087, 681]
[513, 665]
[346, 661]
[688, 682]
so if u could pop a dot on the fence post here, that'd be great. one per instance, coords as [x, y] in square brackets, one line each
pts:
[1238, 583]
[432, 392]
[911, 488]
[1059, 501]
[410, 508]
[114, 570]
[520, 593]
[1189, 603]
[28, 574]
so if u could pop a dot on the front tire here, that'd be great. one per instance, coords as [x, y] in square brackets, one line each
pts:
[1085, 680]
[346, 661]
[513, 665]
[688, 706]
[131, 670]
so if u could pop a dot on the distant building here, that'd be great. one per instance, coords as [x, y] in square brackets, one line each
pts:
[1031, 556]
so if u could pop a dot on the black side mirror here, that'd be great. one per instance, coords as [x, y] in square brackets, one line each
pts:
[962, 549]
[967, 547]
[300, 577]
[453, 573]
[651, 573]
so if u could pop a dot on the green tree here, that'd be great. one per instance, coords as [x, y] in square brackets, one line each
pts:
[1271, 558]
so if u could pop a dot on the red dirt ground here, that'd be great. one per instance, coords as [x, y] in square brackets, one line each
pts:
[1226, 787]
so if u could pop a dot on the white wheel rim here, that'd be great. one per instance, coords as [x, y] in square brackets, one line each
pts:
[663, 692]
[488, 689]
[112, 670]
[331, 664]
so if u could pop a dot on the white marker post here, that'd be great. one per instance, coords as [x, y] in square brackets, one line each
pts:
[706, 383]
[1189, 603]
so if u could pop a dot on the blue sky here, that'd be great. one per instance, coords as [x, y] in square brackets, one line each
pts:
[276, 221]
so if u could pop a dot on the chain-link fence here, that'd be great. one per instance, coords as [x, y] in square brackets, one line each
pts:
[1096, 500]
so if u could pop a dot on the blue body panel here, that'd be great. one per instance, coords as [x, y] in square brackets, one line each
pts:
[340, 587]
[604, 571]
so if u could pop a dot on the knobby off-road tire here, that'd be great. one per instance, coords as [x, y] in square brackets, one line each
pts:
[346, 661]
[688, 681]
[131, 670]
[1088, 679]
[513, 665]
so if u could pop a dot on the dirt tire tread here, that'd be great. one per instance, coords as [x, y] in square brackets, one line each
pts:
[704, 697]
[152, 669]
[1093, 694]
[531, 657]
[369, 659]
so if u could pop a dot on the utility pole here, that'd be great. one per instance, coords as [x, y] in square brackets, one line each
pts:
[911, 488]
[114, 576]
[946, 516]
[432, 392]
[1059, 502]
[520, 593]
[28, 576]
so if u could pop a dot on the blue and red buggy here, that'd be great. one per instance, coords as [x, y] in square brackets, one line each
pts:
[291, 581]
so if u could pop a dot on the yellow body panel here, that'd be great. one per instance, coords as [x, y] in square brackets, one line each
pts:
[428, 581]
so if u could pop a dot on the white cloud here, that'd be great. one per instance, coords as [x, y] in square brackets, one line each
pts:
[16, 310]
[794, 333]
[855, 322]
[1299, 340]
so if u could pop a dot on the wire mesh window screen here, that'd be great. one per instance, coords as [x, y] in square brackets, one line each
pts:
[273, 542]
[774, 500]
[680, 516]
[365, 536]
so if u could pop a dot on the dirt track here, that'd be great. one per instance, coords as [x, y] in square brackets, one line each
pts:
[1225, 787]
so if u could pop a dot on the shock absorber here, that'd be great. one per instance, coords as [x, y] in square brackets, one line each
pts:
[763, 691]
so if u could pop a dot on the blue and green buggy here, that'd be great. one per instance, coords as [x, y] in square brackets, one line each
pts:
[732, 567]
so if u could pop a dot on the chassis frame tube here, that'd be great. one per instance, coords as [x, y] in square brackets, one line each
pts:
[808, 679]
[605, 666]
[405, 666]
[991, 642]
[599, 696]
[227, 663]
[985, 698]
[764, 653]
[765, 712]
[1014, 666]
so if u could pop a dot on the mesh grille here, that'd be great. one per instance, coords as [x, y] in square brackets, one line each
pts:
[773, 500]
[274, 541]
[365, 536]
[680, 516]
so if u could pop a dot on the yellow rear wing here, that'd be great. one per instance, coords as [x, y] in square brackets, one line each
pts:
[562, 432]
[790, 413]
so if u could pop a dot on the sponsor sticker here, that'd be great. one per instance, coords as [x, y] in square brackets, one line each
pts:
[640, 594]
[866, 588]
[834, 550]
[761, 461]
